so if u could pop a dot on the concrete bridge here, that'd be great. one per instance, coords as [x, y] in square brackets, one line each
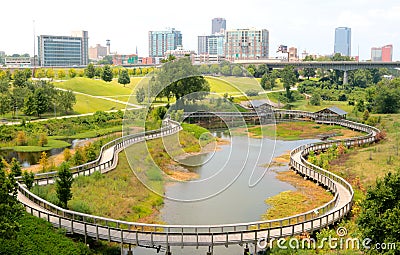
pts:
[159, 235]
[344, 66]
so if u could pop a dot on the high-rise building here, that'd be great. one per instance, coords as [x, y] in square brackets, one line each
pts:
[161, 41]
[218, 24]
[216, 44]
[202, 44]
[343, 41]
[244, 44]
[97, 52]
[85, 44]
[56, 50]
[383, 54]
[293, 54]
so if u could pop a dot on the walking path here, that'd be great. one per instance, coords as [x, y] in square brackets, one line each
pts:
[205, 235]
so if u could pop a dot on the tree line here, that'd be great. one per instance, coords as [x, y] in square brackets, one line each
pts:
[33, 98]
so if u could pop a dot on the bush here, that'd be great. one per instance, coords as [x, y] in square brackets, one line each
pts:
[251, 93]
[37, 236]
[80, 206]
[315, 99]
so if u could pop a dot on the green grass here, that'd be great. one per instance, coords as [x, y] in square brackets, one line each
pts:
[95, 87]
[363, 166]
[232, 85]
[52, 144]
[37, 236]
[299, 130]
[119, 194]
[86, 104]
[221, 86]
[92, 133]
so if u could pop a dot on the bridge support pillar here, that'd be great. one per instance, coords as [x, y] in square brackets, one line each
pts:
[130, 252]
[345, 78]
[246, 250]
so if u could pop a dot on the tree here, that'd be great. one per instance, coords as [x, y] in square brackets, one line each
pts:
[21, 138]
[42, 139]
[90, 71]
[365, 115]
[67, 154]
[204, 69]
[115, 71]
[5, 103]
[19, 78]
[61, 74]
[182, 79]
[98, 72]
[40, 73]
[387, 98]
[289, 79]
[15, 167]
[214, 69]
[72, 73]
[63, 184]
[379, 219]
[65, 100]
[236, 71]
[90, 152]
[78, 158]
[226, 70]
[107, 74]
[44, 161]
[268, 80]
[315, 99]
[140, 95]
[107, 60]
[309, 72]
[124, 77]
[28, 179]
[260, 71]
[42, 100]
[251, 71]
[50, 73]
[10, 209]
[30, 107]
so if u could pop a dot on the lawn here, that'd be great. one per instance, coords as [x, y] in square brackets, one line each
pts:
[300, 130]
[87, 104]
[233, 85]
[52, 144]
[97, 87]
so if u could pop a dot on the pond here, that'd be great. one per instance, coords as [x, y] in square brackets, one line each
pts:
[239, 201]
[31, 158]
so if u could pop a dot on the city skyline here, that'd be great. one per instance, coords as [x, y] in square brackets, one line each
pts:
[309, 25]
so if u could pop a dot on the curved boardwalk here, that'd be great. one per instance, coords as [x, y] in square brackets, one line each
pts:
[205, 235]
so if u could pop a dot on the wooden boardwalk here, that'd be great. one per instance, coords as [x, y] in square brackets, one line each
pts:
[141, 234]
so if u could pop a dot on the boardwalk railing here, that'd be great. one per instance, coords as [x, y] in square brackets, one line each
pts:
[206, 235]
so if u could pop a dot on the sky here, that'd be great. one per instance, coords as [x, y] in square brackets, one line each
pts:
[307, 24]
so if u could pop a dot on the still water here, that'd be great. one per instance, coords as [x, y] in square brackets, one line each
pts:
[223, 192]
[30, 158]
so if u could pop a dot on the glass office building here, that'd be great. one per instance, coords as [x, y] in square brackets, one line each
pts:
[161, 41]
[343, 41]
[63, 50]
[218, 25]
[216, 44]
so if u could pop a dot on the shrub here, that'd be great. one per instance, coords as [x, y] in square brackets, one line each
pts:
[251, 93]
